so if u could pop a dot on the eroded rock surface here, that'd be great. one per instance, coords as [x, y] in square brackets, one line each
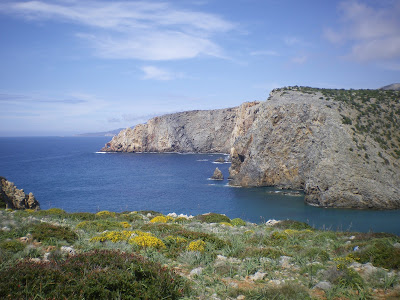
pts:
[11, 197]
[217, 175]
[295, 140]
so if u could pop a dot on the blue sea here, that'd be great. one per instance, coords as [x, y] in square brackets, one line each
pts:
[69, 173]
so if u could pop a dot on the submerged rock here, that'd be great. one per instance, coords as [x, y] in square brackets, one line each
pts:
[13, 198]
[217, 175]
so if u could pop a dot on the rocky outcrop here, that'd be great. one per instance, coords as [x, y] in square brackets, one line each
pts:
[298, 139]
[393, 86]
[192, 131]
[217, 175]
[11, 197]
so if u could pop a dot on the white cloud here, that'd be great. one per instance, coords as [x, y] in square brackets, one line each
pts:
[373, 34]
[141, 30]
[152, 72]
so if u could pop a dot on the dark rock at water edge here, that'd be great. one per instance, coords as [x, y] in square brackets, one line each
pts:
[14, 198]
[217, 175]
[219, 160]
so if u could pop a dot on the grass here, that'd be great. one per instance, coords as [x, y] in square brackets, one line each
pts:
[127, 256]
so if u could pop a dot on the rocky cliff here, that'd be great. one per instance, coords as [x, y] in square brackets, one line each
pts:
[340, 147]
[11, 197]
[191, 131]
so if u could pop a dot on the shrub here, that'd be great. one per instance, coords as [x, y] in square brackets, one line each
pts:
[198, 245]
[105, 213]
[13, 245]
[238, 222]
[161, 219]
[291, 224]
[380, 253]
[226, 224]
[45, 232]
[212, 218]
[147, 242]
[94, 275]
[286, 291]
[84, 216]
[269, 252]
[161, 228]
[206, 237]
[99, 225]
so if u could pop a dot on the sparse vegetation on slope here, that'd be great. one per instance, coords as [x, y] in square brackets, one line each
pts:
[194, 259]
[370, 112]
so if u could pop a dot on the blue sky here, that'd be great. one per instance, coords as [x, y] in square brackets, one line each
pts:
[71, 66]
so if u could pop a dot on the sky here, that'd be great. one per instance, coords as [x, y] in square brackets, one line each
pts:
[71, 66]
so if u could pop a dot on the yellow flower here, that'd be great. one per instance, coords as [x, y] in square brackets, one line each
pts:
[198, 245]
[125, 224]
[161, 219]
[147, 241]
[105, 213]
[226, 224]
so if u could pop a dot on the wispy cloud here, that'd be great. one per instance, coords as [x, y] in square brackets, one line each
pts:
[152, 72]
[140, 30]
[28, 99]
[373, 34]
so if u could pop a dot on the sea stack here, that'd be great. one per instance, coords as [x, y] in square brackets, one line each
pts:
[217, 175]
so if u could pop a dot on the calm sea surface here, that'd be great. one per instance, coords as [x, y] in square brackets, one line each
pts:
[66, 172]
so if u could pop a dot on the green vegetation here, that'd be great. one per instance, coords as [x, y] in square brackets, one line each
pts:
[145, 255]
[374, 113]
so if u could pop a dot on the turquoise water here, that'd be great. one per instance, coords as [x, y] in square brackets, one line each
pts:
[69, 174]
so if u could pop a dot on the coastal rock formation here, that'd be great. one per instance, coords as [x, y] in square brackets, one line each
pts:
[190, 131]
[11, 197]
[321, 141]
[217, 175]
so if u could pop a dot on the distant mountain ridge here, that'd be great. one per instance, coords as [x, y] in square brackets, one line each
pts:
[393, 86]
[103, 133]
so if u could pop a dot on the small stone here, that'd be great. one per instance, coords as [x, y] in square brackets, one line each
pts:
[24, 239]
[396, 245]
[221, 257]
[271, 222]
[196, 271]
[274, 282]
[352, 237]
[35, 260]
[323, 285]
[46, 256]
[217, 175]
[257, 276]
[240, 297]
[285, 261]
[69, 250]
[5, 228]
[368, 268]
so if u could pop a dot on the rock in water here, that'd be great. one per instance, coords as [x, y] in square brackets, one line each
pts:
[219, 160]
[330, 143]
[11, 197]
[217, 175]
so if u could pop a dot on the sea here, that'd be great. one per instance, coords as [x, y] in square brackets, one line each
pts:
[71, 173]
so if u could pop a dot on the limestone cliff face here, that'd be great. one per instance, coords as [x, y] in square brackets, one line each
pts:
[300, 141]
[192, 131]
[294, 140]
[11, 197]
